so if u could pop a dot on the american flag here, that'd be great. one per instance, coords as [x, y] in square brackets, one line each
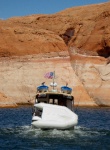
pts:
[49, 75]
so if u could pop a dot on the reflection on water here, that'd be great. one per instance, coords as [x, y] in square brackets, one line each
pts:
[91, 133]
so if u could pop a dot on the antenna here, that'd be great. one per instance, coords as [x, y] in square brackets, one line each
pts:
[53, 84]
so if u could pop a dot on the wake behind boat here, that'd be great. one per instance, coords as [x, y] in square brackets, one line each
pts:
[53, 108]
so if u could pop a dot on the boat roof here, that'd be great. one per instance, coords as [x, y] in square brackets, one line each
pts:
[55, 95]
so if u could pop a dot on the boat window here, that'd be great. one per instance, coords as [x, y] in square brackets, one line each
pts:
[38, 112]
[62, 102]
[56, 101]
[69, 104]
[50, 101]
[53, 101]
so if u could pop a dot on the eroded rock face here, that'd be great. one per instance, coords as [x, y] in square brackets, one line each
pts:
[86, 27]
[20, 41]
[20, 77]
[75, 43]
[6, 101]
[94, 74]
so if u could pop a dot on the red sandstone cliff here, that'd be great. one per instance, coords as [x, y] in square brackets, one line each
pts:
[86, 28]
[75, 42]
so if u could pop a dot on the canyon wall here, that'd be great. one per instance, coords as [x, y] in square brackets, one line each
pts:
[19, 79]
[75, 43]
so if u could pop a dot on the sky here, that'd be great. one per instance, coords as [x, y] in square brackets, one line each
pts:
[13, 8]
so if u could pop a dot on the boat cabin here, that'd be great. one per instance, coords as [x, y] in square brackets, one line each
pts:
[62, 98]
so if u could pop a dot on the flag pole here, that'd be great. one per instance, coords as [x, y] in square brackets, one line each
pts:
[53, 78]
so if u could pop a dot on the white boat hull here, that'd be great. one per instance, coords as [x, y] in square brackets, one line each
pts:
[54, 117]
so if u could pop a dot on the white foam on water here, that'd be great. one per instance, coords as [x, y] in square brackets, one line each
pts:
[83, 131]
[29, 132]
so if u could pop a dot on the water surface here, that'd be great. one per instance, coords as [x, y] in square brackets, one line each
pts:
[92, 132]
